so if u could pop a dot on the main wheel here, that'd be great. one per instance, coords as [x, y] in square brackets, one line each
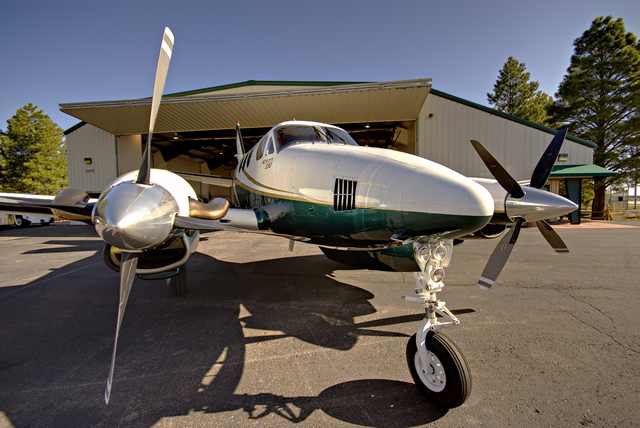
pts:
[21, 222]
[446, 381]
[178, 283]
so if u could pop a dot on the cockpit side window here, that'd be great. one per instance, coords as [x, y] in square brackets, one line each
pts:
[270, 148]
[260, 149]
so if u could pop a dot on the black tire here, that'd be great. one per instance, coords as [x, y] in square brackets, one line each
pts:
[20, 222]
[178, 283]
[457, 375]
[46, 223]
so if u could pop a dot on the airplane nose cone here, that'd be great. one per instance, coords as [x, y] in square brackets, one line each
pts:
[539, 204]
[133, 216]
[438, 197]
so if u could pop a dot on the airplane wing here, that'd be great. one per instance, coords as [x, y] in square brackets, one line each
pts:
[214, 180]
[236, 220]
[15, 203]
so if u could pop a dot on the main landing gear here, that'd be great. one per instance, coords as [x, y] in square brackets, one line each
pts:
[437, 366]
[178, 283]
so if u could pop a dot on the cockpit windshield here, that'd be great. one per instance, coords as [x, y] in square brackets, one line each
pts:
[338, 136]
[293, 134]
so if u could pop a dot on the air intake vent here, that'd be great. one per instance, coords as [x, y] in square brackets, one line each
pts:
[344, 195]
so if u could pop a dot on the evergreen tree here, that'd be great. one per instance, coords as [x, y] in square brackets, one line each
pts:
[32, 154]
[598, 98]
[514, 94]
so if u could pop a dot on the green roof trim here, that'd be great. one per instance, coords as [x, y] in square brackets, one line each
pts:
[258, 83]
[577, 171]
[511, 117]
[74, 127]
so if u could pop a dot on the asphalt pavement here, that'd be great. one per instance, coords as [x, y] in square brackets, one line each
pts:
[268, 337]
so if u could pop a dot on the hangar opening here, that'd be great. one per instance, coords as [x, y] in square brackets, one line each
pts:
[217, 148]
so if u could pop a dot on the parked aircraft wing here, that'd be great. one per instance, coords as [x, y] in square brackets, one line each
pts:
[214, 180]
[45, 208]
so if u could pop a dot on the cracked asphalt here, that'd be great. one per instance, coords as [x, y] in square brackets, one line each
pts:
[268, 337]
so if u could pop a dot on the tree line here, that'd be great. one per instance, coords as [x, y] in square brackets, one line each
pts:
[598, 100]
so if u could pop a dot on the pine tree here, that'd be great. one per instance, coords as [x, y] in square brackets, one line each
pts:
[514, 94]
[32, 154]
[598, 98]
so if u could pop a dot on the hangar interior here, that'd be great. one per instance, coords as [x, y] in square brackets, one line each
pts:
[195, 130]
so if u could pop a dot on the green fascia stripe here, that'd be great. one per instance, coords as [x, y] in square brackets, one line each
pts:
[511, 117]
[575, 171]
[259, 83]
[74, 127]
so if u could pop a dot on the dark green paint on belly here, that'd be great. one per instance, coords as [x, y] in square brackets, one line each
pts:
[353, 228]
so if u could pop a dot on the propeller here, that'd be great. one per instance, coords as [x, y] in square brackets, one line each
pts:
[166, 49]
[128, 265]
[136, 216]
[525, 204]
[505, 179]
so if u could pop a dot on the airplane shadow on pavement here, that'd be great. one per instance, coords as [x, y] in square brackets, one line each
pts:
[182, 355]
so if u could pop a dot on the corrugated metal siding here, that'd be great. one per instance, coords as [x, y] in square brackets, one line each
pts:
[91, 142]
[444, 138]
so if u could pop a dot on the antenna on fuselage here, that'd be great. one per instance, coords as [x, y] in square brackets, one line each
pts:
[239, 142]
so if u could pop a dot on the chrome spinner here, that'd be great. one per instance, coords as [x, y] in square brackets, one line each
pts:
[135, 217]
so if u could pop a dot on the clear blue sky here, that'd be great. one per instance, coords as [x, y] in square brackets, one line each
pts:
[76, 51]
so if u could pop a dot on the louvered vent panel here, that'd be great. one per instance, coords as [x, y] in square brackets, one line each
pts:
[344, 194]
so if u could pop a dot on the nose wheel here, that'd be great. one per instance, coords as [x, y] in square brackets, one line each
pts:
[437, 366]
[444, 378]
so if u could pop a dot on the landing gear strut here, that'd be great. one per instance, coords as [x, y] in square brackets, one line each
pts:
[437, 366]
[178, 283]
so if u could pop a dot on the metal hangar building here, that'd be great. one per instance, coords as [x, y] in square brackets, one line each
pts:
[195, 131]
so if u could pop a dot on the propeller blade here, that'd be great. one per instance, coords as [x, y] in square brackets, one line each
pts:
[239, 142]
[552, 237]
[505, 179]
[128, 265]
[161, 76]
[545, 164]
[499, 257]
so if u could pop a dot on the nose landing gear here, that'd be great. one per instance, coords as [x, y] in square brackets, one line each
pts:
[437, 366]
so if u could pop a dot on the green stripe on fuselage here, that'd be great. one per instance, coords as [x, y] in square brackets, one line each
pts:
[353, 228]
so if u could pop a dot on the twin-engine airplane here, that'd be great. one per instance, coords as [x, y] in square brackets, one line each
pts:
[311, 182]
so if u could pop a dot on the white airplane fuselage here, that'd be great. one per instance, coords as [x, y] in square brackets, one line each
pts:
[345, 195]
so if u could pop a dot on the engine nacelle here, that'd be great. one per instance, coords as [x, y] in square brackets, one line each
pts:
[490, 231]
[167, 258]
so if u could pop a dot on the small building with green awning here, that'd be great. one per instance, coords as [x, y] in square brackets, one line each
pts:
[573, 176]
